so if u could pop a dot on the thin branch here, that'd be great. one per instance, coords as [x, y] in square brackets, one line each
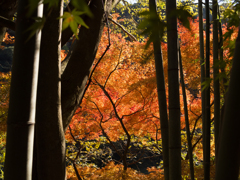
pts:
[195, 124]
[80, 146]
[76, 171]
[132, 38]
[186, 157]
[7, 23]
[121, 122]
[114, 68]
[91, 74]
[103, 131]
[110, 99]
[70, 130]
[74, 160]
[118, 101]
[155, 116]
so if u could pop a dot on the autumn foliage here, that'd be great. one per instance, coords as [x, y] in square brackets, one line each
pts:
[121, 100]
[123, 96]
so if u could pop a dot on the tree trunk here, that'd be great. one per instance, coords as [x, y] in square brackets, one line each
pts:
[228, 161]
[173, 85]
[50, 138]
[75, 75]
[22, 106]
[216, 75]
[161, 92]
[186, 117]
[49, 135]
[207, 124]
[80, 62]
[224, 80]
[202, 64]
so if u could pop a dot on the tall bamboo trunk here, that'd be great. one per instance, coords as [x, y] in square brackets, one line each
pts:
[186, 117]
[50, 146]
[216, 75]
[224, 81]
[23, 92]
[161, 91]
[202, 64]
[173, 86]
[207, 124]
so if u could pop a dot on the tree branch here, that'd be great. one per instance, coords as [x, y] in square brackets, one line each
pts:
[124, 30]
[7, 23]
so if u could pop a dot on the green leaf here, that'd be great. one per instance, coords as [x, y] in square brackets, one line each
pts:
[79, 20]
[73, 20]
[68, 17]
[151, 25]
[206, 83]
[77, 13]
[183, 14]
[74, 27]
[65, 24]
[38, 25]
[82, 6]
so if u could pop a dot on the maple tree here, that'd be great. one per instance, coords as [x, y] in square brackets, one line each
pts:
[52, 44]
[127, 67]
[130, 83]
[122, 101]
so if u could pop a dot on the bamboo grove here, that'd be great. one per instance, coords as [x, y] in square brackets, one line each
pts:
[160, 82]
